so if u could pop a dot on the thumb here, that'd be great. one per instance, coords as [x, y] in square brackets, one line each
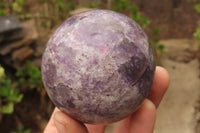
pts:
[66, 124]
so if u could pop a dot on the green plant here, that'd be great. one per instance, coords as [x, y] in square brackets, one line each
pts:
[142, 20]
[21, 129]
[2, 9]
[69, 6]
[91, 5]
[126, 6]
[2, 13]
[2, 72]
[197, 8]
[120, 5]
[2, 5]
[43, 1]
[18, 5]
[9, 95]
[29, 76]
[157, 46]
[63, 7]
[197, 34]
[156, 31]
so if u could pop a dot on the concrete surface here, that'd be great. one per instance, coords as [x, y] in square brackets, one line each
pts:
[176, 112]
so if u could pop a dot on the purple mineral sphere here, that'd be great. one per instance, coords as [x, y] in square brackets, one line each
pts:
[98, 66]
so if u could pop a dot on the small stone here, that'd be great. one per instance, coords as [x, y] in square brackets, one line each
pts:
[9, 23]
[10, 29]
[11, 36]
[98, 66]
[31, 36]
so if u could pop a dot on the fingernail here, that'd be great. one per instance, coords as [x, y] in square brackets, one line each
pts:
[60, 122]
[149, 105]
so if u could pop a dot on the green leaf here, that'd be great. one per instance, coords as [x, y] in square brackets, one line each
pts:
[6, 82]
[120, 5]
[2, 5]
[21, 81]
[4, 92]
[21, 2]
[27, 131]
[124, 4]
[142, 20]
[15, 6]
[19, 73]
[161, 48]
[21, 129]
[2, 13]
[8, 109]
[5, 87]
[197, 8]
[28, 64]
[156, 31]
[2, 72]
[155, 40]
[30, 75]
[134, 9]
[15, 96]
[71, 5]
[197, 34]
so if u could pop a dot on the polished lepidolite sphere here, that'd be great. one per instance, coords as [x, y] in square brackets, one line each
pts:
[98, 66]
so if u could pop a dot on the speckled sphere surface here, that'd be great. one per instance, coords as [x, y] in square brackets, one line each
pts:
[98, 66]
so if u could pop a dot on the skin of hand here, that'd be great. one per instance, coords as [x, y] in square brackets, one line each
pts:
[141, 121]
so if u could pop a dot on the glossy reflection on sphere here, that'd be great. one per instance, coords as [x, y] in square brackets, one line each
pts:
[98, 66]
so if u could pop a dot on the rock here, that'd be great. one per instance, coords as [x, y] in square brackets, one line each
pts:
[9, 28]
[8, 48]
[29, 29]
[11, 36]
[31, 36]
[17, 41]
[39, 50]
[22, 53]
[9, 23]
[103, 57]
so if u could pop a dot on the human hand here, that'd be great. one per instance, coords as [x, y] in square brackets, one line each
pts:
[141, 121]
